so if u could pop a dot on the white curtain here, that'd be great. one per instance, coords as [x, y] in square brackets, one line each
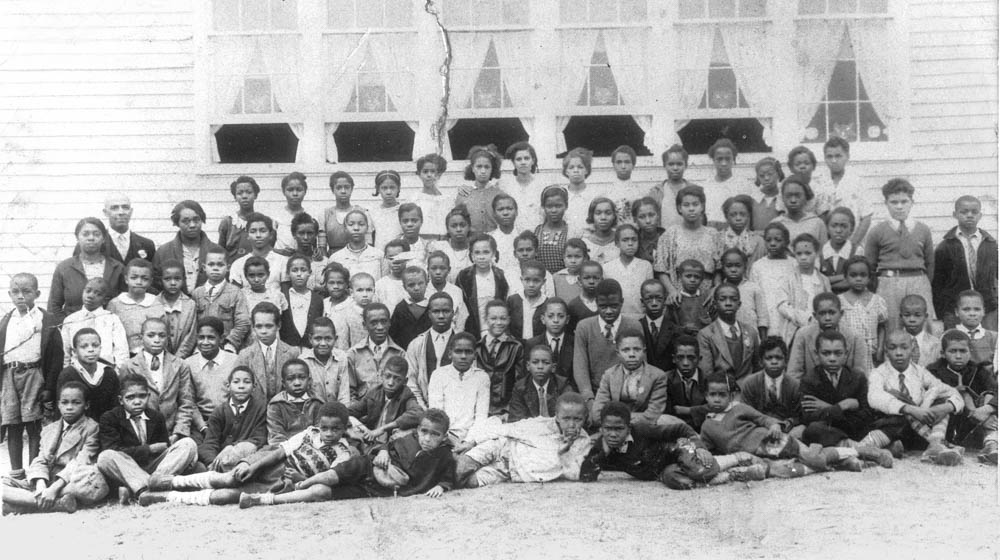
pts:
[649, 138]
[815, 45]
[446, 145]
[281, 60]
[345, 54]
[879, 67]
[515, 53]
[393, 53]
[695, 41]
[332, 156]
[468, 53]
[561, 123]
[750, 52]
[577, 50]
[231, 57]
[626, 56]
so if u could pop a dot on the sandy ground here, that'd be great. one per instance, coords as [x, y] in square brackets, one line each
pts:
[912, 511]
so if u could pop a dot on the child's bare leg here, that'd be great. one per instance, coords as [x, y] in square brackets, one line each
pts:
[15, 447]
[19, 498]
[315, 493]
[34, 430]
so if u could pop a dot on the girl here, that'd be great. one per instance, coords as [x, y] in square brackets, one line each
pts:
[723, 184]
[553, 233]
[802, 160]
[456, 244]
[430, 168]
[304, 304]
[72, 274]
[233, 229]
[576, 167]
[796, 294]
[567, 280]
[385, 218]
[753, 306]
[305, 230]
[774, 270]
[481, 282]
[795, 196]
[865, 313]
[768, 205]
[839, 249]
[646, 212]
[358, 256]
[690, 240]
[602, 216]
[100, 379]
[294, 187]
[739, 232]
[628, 270]
[675, 162]
[625, 191]
[521, 183]
[334, 235]
[484, 166]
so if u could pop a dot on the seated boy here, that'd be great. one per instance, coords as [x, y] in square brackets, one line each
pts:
[727, 345]
[410, 316]
[917, 404]
[536, 394]
[978, 388]
[532, 450]
[594, 340]
[386, 409]
[136, 443]
[686, 383]
[431, 349]
[770, 391]
[419, 463]
[366, 359]
[555, 316]
[62, 477]
[220, 298]
[694, 311]
[460, 389]
[210, 368]
[827, 311]
[114, 341]
[237, 428]
[585, 304]
[969, 311]
[528, 303]
[913, 319]
[266, 355]
[500, 355]
[327, 364]
[640, 386]
[659, 332]
[295, 407]
[275, 468]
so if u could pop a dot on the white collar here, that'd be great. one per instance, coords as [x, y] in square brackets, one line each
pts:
[92, 378]
[203, 361]
[149, 359]
[147, 301]
[727, 328]
[217, 287]
[33, 313]
[141, 416]
[273, 346]
[909, 221]
[370, 344]
[658, 321]
[624, 446]
[127, 234]
[539, 387]
[176, 307]
[768, 380]
[233, 405]
[446, 334]
[974, 235]
[765, 198]
[844, 252]
[551, 337]
[694, 376]
[980, 331]
[614, 326]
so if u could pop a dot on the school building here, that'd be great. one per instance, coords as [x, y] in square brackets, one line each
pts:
[172, 99]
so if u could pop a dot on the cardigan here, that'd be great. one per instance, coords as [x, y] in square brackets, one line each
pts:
[101, 397]
[68, 281]
[884, 248]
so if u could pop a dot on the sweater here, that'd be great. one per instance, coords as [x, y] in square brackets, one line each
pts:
[740, 428]
[225, 428]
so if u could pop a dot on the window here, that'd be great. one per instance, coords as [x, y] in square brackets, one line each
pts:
[368, 93]
[698, 135]
[722, 9]
[835, 7]
[486, 13]
[604, 133]
[501, 132]
[254, 15]
[723, 91]
[373, 141]
[600, 87]
[367, 14]
[602, 11]
[490, 90]
[256, 143]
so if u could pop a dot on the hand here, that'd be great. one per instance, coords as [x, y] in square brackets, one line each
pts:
[435, 492]
[990, 424]
[922, 415]
[157, 448]
[242, 472]
[381, 460]
[775, 431]
[810, 404]
[173, 438]
[981, 414]
[940, 412]
[46, 498]
[214, 465]
[673, 298]
[704, 456]
[372, 435]
[849, 404]
[302, 485]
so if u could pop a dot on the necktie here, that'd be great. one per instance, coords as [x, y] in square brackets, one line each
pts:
[140, 428]
[904, 248]
[211, 290]
[688, 384]
[973, 334]
[210, 365]
[607, 332]
[543, 404]
[268, 362]
[772, 390]
[121, 243]
[902, 387]
[154, 364]
[239, 409]
[493, 348]
[378, 352]
[654, 330]
[834, 378]
[915, 351]
[970, 259]
[555, 348]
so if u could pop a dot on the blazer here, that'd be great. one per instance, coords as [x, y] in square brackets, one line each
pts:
[505, 367]
[466, 280]
[230, 305]
[403, 409]
[118, 434]
[676, 396]
[421, 366]
[803, 357]
[52, 350]
[175, 399]
[139, 247]
[225, 428]
[753, 392]
[363, 371]
[524, 398]
[287, 332]
[564, 361]
[59, 451]
[852, 384]
[715, 354]
[68, 281]
[593, 354]
[182, 339]
[405, 326]
[649, 404]
[951, 272]
[659, 352]
[253, 357]
[577, 312]
[515, 304]
[174, 250]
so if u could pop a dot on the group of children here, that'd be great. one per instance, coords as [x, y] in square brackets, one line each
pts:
[768, 334]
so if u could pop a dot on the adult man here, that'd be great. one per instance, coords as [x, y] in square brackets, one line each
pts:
[121, 243]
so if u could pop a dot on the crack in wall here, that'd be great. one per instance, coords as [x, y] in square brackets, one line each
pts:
[439, 129]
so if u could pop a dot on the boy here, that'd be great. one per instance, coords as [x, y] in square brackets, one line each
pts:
[135, 305]
[340, 308]
[295, 407]
[657, 331]
[978, 388]
[693, 312]
[835, 405]
[362, 290]
[168, 379]
[389, 288]
[136, 442]
[770, 391]
[432, 348]
[266, 356]
[418, 463]
[256, 287]
[555, 316]
[179, 311]
[439, 267]
[410, 317]
[913, 319]
[525, 249]
[827, 312]
[526, 304]
[57, 480]
[366, 359]
[917, 404]
[585, 304]
[500, 356]
[219, 298]
[281, 468]
[969, 313]
[594, 349]
[505, 213]
[387, 409]
[114, 341]
[686, 384]
[327, 364]
[843, 187]
[210, 368]
[532, 450]
[640, 386]
[727, 345]
[536, 394]
[237, 428]
[965, 259]
[260, 231]
[460, 389]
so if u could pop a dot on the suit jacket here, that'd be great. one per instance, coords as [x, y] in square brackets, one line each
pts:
[505, 367]
[659, 352]
[420, 370]
[515, 304]
[52, 357]
[174, 250]
[715, 354]
[118, 434]
[364, 371]
[405, 326]
[951, 272]
[139, 247]
[852, 385]
[564, 361]
[252, 356]
[225, 428]
[753, 392]
[60, 452]
[524, 398]
[68, 281]
[175, 399]
[593, 354]
[403, 409]
[287, 332]
[230, 305]
[803, 357]
[182, 339]
[649, 404]
[466, 280]
[676, 396]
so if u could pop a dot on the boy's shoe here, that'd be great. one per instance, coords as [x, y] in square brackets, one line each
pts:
[940, 455]
[896, 449]
[160, 482]
[988, 454]
[249, 500]
[852, 464]
[881, 456]
[124, 496]
[814, 458]
[66, 503]
[757, 471]
[147, 499]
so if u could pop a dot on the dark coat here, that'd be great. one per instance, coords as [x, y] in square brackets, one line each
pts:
[660, 352]
[225, 428]
[515, 305]
[855, 423]
[652, 449]
[404, 410]
[951, 273]
[564, 361]
[68, 281]
[118, 434]
[405, 326]
[524, 398]
[466, 281]
[504, 368]
[139, 247]
[753, 392]
[173, 250]
[287, 332]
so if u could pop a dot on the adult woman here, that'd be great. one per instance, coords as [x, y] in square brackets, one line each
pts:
[189, 247]
[72, 274]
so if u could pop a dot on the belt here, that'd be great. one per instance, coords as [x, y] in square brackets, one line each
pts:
[891, 272]
[23, 365]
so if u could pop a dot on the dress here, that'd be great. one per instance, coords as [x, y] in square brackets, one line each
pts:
[750, 242]
[602, 253]
[679, 244]
[863, 318]
[769, 273]
[385, 225]
[459, 259]
[551, 245]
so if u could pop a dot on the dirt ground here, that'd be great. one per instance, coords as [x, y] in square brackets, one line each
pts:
[912, 511]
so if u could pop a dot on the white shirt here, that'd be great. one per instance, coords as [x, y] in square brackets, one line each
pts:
[24, 337]
[486, 289]
[614, 326]
[440, 342]
[505, 249]
[974, 334]
[731, 331]
[277, 266]
[909, 221]
[921, 384]
[139, 431]
[122, 241]
[973, 241]
[237, 408]
[465, 397]
[773, 384]
[274, 352]
[367, 260]
[552, 343]
[299, 304]
[156, 374]
[843, 254]
[630, 276]
[528, 312]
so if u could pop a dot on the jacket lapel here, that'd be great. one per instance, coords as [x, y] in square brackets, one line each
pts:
[723, 344]
[645, 384]
[70, 439]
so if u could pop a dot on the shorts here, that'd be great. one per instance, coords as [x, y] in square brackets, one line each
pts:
[20, 396]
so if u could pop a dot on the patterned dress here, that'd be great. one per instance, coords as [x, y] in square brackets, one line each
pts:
[679, 244]
[863, 318]
[551, 245]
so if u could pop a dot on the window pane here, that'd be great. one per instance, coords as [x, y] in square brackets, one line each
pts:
[284, 14]
[692, 9]
[812, 7]
[872, 127]
[256, 143]
[340, 13]
[257, 93]
[603, 10]
[816, 131]
[604, 133]
[373, 141]
[874, 6]
[572, 11]
[747, 134]
[843, 6]
[603, 89]
[516, 12]
[633, 10]
[843, 82]
[398, 13]
[370, 14]
[722, 88]
[255, 14]
[456, 12]
[486, 12]
[226, 15]
[486, 94]
[753, 8]
[722, 8]
[843, 121]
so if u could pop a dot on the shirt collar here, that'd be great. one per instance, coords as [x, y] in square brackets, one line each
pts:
[549, 338]
[371, 344]
[233, 405]
[141, 416]
[624, 446]
[127, 234]
[147, 301]
[909, 221]
[694, 376]
[980, 331]
[697, 293]
[273, 346]
[774, 380]
[658, 321]
[149, 359]
[203, 361]
[733, 329]
[446, 334]
[974, 236]
[844, 252]
[33, 313]
[539, 387]
[176, 307]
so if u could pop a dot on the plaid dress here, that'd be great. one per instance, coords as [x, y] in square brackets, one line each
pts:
[551, 246]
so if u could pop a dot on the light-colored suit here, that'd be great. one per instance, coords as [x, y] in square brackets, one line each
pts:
[650, 402]
[716, 357]
[175, 398]
[58, 457]
[593, 354]
[252, 356]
